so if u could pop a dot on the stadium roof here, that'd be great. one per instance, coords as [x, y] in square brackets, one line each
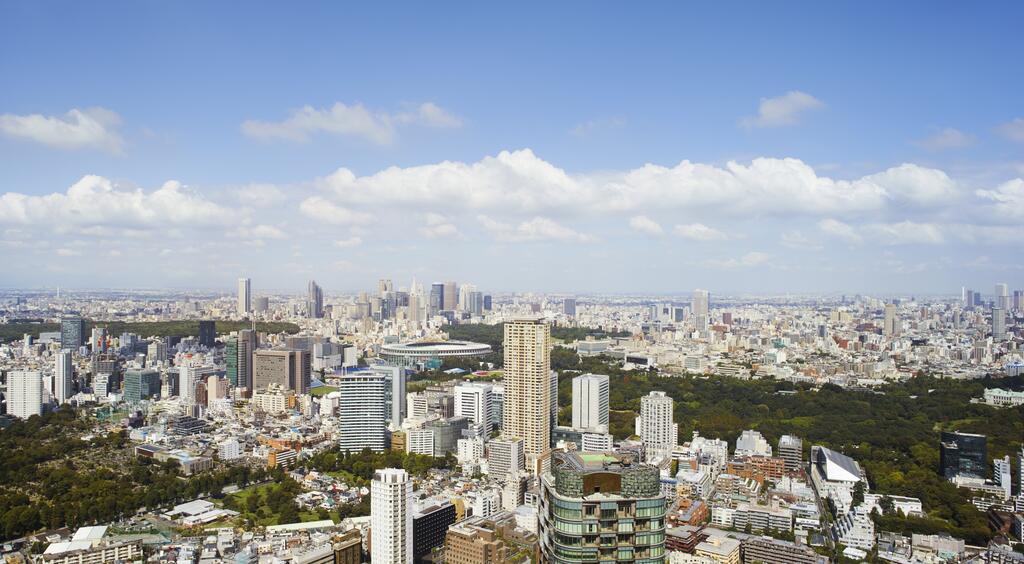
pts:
[838, 467]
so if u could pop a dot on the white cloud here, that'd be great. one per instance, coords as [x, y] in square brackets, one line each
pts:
[95, 200]
[521, 182]
[699, 232]
[321, 209]
[782, 110]
[836, 228]
[1007, 199]
[1012, 130]
[68, 253]
[915, 184]
[749, 260]
[946, 138]
[536, 229]
[644, 224]
[91, 128]
[349, 243]
[349, 120]
[438, 226]
[890, 234]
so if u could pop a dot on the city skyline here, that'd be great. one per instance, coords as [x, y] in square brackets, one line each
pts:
[788, 172]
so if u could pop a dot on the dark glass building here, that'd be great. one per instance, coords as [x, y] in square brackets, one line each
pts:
[207, 333]
[963, 454]
[429, 527]
[72, 332]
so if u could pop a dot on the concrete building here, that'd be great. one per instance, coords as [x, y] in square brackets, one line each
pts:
[474, 540]
[362, 412]
[473, 401]
[244, 297]
[289, 368]
[505, 457]
[624, 496]
[590, 401]
[528, 401]
[791, 449]
[391, 517]
[656, 426]
[24, 393]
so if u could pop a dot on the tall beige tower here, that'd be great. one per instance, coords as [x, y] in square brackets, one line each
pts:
[527, 408]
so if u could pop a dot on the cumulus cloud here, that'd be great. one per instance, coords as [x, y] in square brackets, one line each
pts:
[787, 109]
[259, 232]
[536, 229]
[95, 201]
[260, 195]
[1007, 199]
[349, 120]
[91, 128]
[699, 232]
[644, 224]
[323, 210]
[521, 182]
[946, 138]
[1012, 130]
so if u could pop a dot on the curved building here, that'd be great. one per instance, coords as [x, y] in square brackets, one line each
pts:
[405, 354]
[601, 507]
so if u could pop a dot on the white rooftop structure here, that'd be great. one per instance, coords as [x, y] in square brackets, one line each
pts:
[835, 466]
[89, 533]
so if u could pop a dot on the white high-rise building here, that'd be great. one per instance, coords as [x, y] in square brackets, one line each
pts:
[752, 443]
[1002, 475]
[590, 401]
[391, 517]
[528, 387]
[63, 374]
[473, 401]
[505, 457]
[396, 396]
[24, 393]
[656, 426]
[244, 296]
[700, 306]
[1003, 296]
[998, 324]
[890, 326]
[363, 412]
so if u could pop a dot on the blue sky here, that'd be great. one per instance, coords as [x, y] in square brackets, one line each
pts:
[903, 124]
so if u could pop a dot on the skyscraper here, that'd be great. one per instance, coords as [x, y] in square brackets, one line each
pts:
[451, 296]
[244, 296]
[527, 406]
[436, 298]
[1002, 296]
[889, 326]
[998, 324]
[207, 333]
[363, 412]
[700, 305]
[391, 517]
[791, 450]
[395, 397]
[72, 333]
[24, 393]
[590, 401]
[569, 307]
[314, 300]
[656, 426]
[63, 374]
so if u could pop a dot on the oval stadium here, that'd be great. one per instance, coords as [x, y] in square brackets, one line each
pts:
[421, 351]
